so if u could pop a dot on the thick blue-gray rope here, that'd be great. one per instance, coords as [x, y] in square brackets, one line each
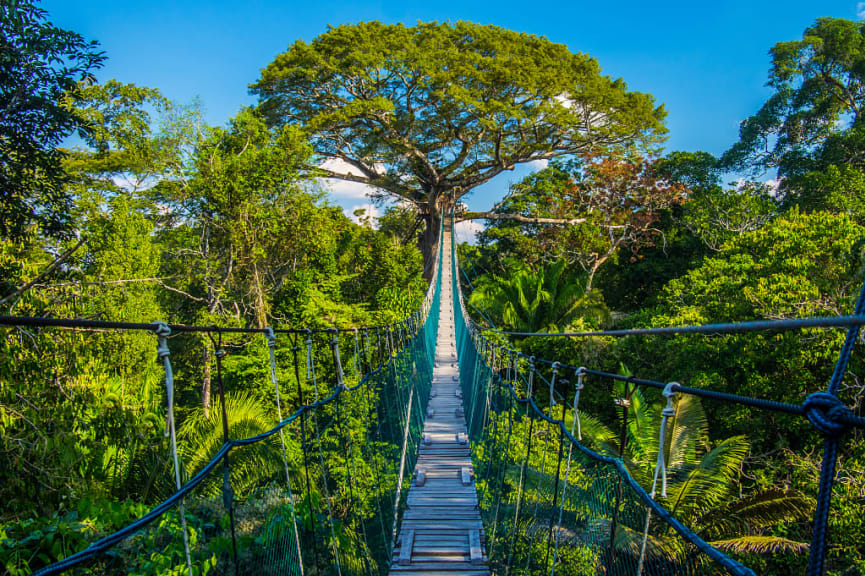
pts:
[824, 410]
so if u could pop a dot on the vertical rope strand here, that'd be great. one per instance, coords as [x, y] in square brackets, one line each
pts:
[271, 346]
[163, 352]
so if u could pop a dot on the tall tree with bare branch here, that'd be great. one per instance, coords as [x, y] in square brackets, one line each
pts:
[427, 113]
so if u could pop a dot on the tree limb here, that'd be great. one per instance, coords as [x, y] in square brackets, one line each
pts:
[57, 262]
[519, 218]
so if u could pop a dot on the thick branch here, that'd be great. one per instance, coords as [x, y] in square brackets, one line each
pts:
[518, 218]
[403, 194]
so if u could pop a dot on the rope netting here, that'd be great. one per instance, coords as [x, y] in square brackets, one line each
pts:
[550, 504]
[320, 490]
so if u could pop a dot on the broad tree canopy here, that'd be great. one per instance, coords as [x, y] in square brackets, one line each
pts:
[39, 64]
[431, 111]
[811, 129]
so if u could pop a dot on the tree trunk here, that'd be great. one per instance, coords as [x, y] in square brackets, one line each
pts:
[429, 242]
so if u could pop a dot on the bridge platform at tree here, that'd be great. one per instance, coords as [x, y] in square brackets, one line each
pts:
[441, 530]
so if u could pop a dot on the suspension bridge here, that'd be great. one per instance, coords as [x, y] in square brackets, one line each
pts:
[428, 447]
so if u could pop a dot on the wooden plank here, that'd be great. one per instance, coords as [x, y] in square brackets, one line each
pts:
[422, 539]
[472, 572]
[441, 524]
[405, 549]
[428, 566]
[442, 533]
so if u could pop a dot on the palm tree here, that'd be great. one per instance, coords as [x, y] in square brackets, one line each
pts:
[702, 478]
[546, 300]
[201, 438]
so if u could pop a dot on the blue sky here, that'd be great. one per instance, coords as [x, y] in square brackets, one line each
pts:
[707, 62]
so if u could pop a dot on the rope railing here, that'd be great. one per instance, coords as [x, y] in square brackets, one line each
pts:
[286, 499]
[589, 513]
[782, 324]
[323, 490]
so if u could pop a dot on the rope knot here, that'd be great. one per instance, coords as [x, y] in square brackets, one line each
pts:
[553, 384]
[271, 337]
[825, 412]
[163, 331]
[670, 393]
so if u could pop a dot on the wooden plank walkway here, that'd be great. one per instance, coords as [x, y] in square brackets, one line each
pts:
[441, 531]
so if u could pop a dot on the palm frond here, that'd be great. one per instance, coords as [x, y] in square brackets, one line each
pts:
[757, 511]
[708, 482]
[760, 545]
[684, 431]
[595, 434]
[201, 438]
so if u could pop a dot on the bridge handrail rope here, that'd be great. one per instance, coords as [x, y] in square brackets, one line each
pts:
[823, 409]
[840, 415]
[86, 324]
[409, 329]
[783, 324]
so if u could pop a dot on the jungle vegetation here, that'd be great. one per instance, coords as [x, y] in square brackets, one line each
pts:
[158, 216]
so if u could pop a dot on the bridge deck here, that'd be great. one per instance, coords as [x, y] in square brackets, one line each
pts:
[441, 531]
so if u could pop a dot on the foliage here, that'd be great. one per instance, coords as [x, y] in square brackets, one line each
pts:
[434, 110]
[544, 301]
[602, 204]
[812, 121]
[173, 220]
[40, 64]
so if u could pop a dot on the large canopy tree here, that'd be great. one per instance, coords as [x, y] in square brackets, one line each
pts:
[812, 126]
[427, 113]
[40, 65]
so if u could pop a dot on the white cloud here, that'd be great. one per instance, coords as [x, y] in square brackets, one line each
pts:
[772, 185]
[860, 10]
[467, 231]
[538, 164]
[565, 100]
[372, 212]
[129, 183]
[340, 167]
[343, 190]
